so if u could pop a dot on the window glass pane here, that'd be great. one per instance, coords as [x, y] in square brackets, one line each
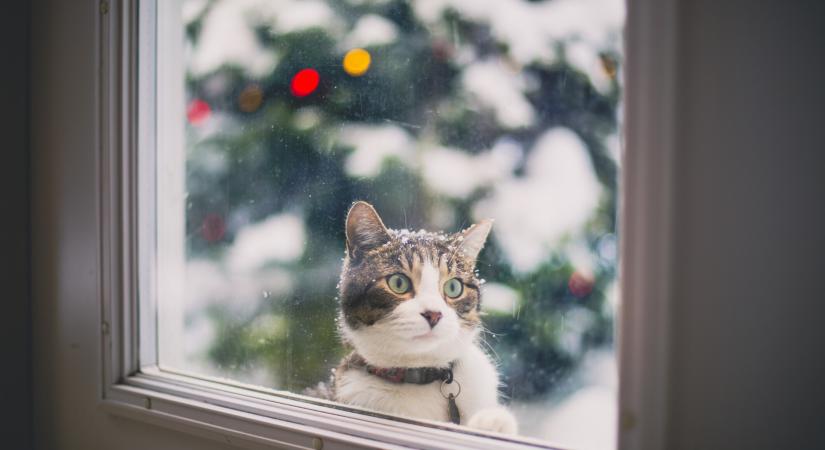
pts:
[275, 116]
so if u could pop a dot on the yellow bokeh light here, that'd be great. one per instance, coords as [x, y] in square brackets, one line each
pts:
[357, 62]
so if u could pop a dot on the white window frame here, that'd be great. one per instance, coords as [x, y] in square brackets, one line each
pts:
[252, 417]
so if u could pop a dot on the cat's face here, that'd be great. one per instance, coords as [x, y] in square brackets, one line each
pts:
[409, 298]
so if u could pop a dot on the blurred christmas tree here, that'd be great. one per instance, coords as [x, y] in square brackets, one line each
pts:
[467, 110]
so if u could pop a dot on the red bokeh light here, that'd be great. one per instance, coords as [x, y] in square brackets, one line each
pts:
[442, 50]
[305, 82]
[213, 228]
[198, 111]
[580, 285]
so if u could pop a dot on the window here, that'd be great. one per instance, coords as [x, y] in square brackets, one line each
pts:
[266, 120]
[270, 125]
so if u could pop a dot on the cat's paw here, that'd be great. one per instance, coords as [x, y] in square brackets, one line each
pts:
[496, 419]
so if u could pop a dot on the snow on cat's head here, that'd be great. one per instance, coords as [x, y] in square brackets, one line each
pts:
[409, 299]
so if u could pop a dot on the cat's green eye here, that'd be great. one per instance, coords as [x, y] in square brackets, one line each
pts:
[453, 287]
[399, 283]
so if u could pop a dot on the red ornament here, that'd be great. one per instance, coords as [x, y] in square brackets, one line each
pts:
[442, 50]
[213, 228]
[198, 111]
[305, 82]
[580, 285]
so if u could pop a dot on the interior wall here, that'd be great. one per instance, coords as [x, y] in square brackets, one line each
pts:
[15, 323]
[747, 356]
[65, 250]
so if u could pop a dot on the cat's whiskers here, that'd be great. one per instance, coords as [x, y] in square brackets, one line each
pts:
[481, 339]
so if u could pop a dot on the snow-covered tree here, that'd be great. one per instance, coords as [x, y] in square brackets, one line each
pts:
[468, 109]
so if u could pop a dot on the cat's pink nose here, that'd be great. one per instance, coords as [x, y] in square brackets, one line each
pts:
[432, 317]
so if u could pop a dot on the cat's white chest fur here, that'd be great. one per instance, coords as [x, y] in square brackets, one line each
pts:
[477, 403]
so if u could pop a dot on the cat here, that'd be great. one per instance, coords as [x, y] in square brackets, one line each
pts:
[410, 310]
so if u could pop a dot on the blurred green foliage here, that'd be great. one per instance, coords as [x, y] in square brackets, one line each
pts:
[272, 162]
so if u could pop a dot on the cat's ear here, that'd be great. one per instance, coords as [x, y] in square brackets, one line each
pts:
[473, 238]
[365, 230]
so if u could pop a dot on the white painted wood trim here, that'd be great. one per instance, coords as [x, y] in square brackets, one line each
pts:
[646, 225]
[169, 148]
[147, 161]
[221, 405]
[116, 190]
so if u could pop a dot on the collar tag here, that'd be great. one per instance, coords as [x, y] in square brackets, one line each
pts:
[452, 410]
[452, 407]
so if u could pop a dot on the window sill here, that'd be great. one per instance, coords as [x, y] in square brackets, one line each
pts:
[252, 417]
